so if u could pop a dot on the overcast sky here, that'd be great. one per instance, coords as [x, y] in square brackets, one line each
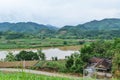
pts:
[58, 12]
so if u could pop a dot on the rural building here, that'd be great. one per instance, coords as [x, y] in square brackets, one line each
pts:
[99, 67]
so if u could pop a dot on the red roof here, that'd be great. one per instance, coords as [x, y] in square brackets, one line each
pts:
[95, 60]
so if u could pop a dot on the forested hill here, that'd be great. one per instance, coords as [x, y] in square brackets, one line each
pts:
[103, 29]
[26, 27]
[106, 28]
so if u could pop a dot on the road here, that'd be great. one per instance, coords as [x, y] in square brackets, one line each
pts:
[38, 72]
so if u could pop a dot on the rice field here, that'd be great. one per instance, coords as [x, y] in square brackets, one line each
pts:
[36, 43]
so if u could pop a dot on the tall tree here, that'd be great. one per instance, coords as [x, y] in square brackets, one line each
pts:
[41, 55]
[116, 63]
[10, 57]
[74, 63]
[27, 55]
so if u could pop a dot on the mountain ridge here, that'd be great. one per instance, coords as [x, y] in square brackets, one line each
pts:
[28, 27]
[93, 29]
[106, 28]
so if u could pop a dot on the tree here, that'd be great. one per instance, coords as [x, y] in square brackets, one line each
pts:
[10, 57]
[116, 63]
[41, 55]
[65, 43]
[100, 48]
[14, 35]
[74, 63]
[116, 58]
[27, 55]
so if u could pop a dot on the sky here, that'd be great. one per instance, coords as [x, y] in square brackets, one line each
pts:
[58, 12]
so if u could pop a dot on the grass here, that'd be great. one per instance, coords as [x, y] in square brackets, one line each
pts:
[26, 76]
[36, 43]
[58, 66]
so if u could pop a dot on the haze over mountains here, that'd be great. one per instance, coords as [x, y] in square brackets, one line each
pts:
[106, 28]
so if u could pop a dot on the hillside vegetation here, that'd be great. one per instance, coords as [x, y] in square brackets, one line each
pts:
[103, 29]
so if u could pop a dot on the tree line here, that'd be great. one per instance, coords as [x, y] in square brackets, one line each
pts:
[26, 55]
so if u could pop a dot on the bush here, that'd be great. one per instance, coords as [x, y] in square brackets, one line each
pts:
[74, 63]
[27, 55]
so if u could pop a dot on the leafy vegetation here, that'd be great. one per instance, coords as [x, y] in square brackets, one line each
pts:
[58, 66]
[101, 49]
[24, 55]
[74, 63]
[41, 55]
[10, 57]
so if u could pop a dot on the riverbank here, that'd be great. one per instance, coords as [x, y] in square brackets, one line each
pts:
[64, 48]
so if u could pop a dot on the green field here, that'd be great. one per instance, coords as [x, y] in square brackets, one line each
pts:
[36, 43]
[58, 66]
[25, 76]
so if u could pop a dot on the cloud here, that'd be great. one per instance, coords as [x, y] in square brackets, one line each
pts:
[58, 12]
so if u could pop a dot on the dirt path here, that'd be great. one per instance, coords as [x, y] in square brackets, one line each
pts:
[38, 72]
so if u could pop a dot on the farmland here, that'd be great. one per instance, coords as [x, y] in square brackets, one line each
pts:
[17, 64]
[37, 43]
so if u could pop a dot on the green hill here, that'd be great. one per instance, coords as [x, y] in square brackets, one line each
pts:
[106, 28]
[103, 29]
[28, 27]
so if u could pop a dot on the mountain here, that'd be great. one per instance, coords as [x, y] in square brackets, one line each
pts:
[26, 27]
[103, 29]
[106, 28]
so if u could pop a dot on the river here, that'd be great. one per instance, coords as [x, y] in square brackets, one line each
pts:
[59, 52]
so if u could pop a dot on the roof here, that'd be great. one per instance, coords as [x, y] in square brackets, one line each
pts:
[95, 60]
[104, 64]
[101, 63]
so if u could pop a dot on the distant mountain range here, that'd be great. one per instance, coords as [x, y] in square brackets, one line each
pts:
[26, 27]
[106, 28]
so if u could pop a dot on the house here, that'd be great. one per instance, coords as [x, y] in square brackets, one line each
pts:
[99, 67]
[100, 64]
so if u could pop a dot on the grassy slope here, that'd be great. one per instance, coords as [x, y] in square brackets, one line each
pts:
[58, 66]
[25, 76]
